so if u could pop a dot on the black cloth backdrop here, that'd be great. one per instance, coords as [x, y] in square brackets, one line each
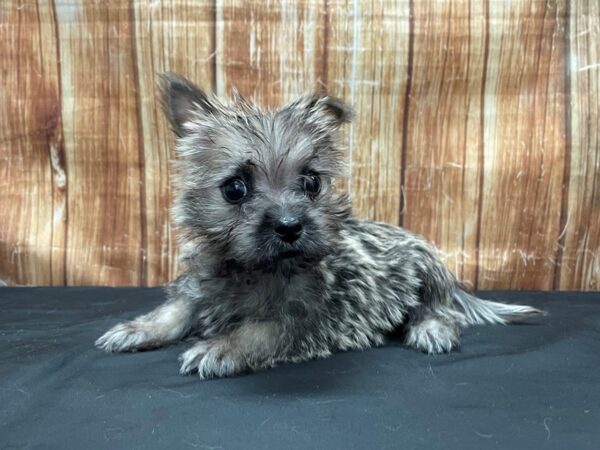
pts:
[534, 385]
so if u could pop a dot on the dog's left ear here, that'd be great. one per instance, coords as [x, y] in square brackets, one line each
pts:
[330, 109]
[182, 100]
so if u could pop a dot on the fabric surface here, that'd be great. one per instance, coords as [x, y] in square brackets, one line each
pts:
[534, 385]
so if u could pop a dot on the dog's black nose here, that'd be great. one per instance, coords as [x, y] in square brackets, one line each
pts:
[288, 229]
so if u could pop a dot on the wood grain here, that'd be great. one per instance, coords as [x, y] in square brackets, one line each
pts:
[269, 51]
[107, 231]
[476, 126]
[578, 265]
[32, 178]
[442, 170]
[524, 145]
[368, 60]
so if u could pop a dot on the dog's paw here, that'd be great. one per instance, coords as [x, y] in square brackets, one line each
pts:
[124, 337]
[432, 336]
[211, 359]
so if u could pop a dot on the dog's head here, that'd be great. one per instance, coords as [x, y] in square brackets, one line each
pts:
[257, 186]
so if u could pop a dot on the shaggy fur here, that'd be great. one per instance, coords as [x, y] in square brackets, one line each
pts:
[255, 295]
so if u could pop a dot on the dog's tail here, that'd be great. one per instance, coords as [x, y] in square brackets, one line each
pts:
[476, 311]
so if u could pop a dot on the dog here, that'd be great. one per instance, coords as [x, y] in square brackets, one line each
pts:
[276, 267]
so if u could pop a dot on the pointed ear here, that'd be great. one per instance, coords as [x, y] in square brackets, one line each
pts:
[332, 108]
[181, 100]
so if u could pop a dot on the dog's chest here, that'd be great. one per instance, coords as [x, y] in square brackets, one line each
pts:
[273, 292]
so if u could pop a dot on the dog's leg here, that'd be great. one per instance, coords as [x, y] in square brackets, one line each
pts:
[434, 325]
[167, 323]
[252, 346]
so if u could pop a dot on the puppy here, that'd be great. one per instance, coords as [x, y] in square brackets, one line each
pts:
[276, 268]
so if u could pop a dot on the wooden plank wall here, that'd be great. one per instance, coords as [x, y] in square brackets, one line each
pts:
[478, 126]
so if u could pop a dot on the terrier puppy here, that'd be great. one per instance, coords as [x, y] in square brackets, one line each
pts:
[276, 267]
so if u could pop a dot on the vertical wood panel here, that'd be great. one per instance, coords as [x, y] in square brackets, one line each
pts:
[270, 50]
[368, 57]
[524, 145]
[106, 224]
[32, 214]
[169, 36]
[442, 164]
[580, 259]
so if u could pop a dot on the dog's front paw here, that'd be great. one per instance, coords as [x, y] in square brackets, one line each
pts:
[124, 337]
[212, 359]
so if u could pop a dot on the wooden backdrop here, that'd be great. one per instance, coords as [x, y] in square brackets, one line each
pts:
[478, 126]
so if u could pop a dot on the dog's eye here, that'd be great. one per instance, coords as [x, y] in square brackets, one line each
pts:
[311, 184]
[234, 190]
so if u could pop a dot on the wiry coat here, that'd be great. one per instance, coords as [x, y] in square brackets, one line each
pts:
[254, 296]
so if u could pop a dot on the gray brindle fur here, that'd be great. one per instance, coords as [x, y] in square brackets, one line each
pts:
[257, 291]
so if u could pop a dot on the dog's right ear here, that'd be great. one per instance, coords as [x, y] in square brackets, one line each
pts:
[182, 100]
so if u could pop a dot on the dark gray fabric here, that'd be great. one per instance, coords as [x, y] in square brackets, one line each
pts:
[522, 386]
